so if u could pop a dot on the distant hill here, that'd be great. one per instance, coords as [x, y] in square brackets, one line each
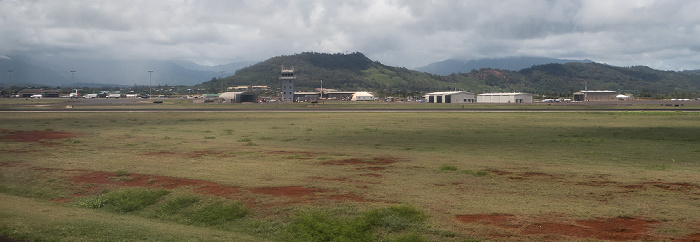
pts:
[25, 72]
[352, 71]
[356, 72]
[450, 66]
[98, 72]
[564, 79]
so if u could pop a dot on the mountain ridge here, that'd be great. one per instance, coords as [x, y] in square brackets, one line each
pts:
[356, 72]
[449, 66]
[106, 72]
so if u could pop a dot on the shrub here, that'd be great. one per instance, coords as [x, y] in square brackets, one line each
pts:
[121, 173]
[395, 218]
[218, 213]
[320, 226]
[128, 200]
[92, 202]
[175, 205]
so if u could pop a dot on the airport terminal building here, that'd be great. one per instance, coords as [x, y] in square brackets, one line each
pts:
[450, 97]
[586, 96]
[516, 97]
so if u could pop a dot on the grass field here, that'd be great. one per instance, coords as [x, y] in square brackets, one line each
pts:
[407, 176]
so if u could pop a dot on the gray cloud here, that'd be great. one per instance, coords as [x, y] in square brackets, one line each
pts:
[658, 33]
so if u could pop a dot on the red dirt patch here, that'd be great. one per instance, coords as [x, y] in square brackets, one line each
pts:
[192, 154]
[306, 155]
[375, 161]
[14, 151]
[484, 218]
[604, 229]
[499, 172]
[596, 183]
[535, 174]
[305, 194]
[344, 162]
[374, 168]
[37, 136]
[348, 197]
[634, 187]
[200, 153]
[347, 180]
[673, 186]
[292, 191]
[138, 180]
[159, 153]
[341, 179]
[692, 237]
[678, 187]
[371, 174]
[607, 229]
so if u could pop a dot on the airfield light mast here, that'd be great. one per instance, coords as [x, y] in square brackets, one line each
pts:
[150, 78]
[221, 77]
[72, 83]
[10, 71]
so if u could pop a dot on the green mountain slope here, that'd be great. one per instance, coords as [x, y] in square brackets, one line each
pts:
[356, 72]
[352, 72]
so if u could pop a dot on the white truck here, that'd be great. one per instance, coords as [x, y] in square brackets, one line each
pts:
[114, 95]
[90, 95]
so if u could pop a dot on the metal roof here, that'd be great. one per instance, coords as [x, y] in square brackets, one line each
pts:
[504, 93]
[447, 93]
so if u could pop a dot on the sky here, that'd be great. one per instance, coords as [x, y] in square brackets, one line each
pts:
[662, 34]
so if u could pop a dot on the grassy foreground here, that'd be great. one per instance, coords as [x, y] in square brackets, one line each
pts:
[376, 176]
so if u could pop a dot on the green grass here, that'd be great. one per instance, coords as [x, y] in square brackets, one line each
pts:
[132, 199]
[448, 168]
[531, 165]
[327, 226]
[34, 220]
[218, 213]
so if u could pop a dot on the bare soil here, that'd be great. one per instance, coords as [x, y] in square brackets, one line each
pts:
[378, 161]
[618, 229]
[153, 181]
[558, 227]
[36, 136]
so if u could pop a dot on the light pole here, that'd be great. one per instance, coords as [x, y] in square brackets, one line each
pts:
[150, 77]
[72, 84]
[221, 77]
[10, 72]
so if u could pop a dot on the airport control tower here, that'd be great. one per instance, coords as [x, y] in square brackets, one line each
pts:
[287, 78]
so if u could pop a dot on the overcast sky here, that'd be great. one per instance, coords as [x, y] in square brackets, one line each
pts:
[663, 34]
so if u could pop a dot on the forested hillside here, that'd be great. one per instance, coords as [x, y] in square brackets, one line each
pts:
[352, 71]
[356, 72]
